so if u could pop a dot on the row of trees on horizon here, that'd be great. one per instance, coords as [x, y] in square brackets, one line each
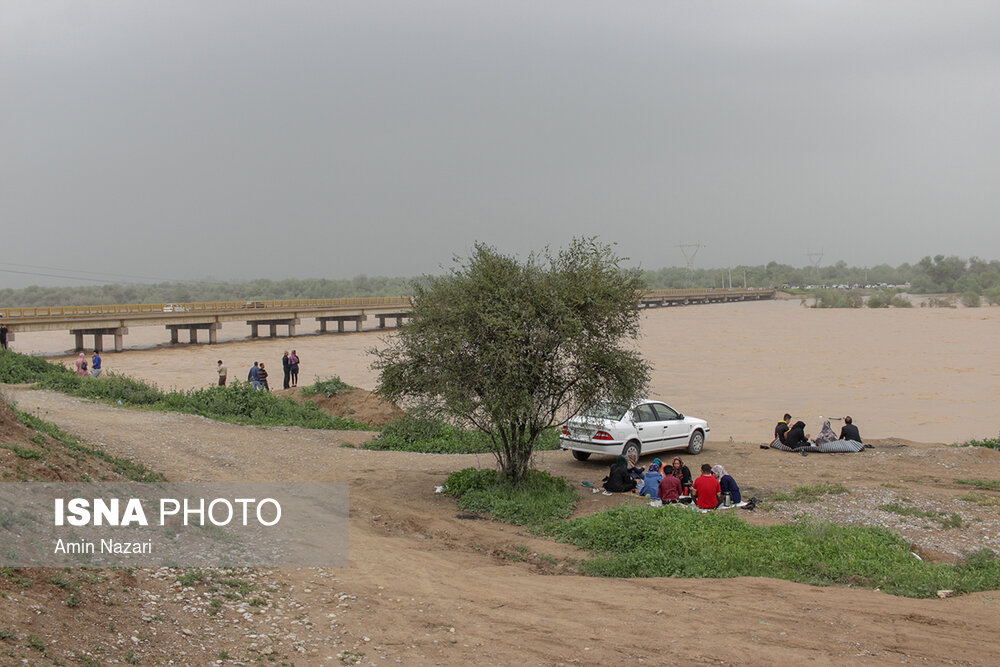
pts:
[931, 275]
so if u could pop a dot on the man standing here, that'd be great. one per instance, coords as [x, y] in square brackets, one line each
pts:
[3, 335]
[850, 431]
[254, 376]
[223, 372]
[286, 369]
[95, 368]
[707, 491]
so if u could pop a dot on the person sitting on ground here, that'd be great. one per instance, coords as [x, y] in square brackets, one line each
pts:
[707, 492]
[634, 471]
[781, 429]
[850, 431]
[826, 434]
[681, 472]
[618, 480]
[727, 484]
[670, 488]
[796, 438]
[652, 479]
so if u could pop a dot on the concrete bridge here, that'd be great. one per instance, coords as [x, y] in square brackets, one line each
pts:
[114, 320]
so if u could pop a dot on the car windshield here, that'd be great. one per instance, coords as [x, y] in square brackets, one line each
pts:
[611, 412]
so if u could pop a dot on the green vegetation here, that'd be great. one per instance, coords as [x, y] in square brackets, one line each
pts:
[943, 519]
[981, 499]
[984, 484]
[509, 347]
[886, 298]
[128, 469]
[674, 541]
[434, 436]
[329, 387]
[237, 402]
[809, 493]
[830, 298]
[24, 452]
[538, 499]
[990, 443]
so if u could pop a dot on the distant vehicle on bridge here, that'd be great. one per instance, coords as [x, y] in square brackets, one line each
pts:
[254, 304]
[174, 308]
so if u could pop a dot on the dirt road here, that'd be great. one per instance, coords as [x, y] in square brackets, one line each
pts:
[425, 587]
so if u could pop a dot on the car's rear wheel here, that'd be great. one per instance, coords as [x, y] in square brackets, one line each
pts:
[631, 447]
[696, 443]
[581, 456]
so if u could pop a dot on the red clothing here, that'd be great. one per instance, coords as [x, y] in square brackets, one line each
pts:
[708, 488]
[670, 489]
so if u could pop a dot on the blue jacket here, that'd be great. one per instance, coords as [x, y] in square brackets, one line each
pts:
[652, 486]
[254, 374]
[729, 484]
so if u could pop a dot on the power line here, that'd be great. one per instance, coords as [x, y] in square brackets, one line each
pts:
[103, 281]
[93, 273]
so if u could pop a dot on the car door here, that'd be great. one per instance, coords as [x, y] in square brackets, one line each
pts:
[674, 430]
[648, 426]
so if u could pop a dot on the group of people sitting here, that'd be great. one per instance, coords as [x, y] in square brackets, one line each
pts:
[794, 436]
[673, 483]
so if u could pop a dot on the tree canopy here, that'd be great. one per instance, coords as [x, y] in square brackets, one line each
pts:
[512, 348]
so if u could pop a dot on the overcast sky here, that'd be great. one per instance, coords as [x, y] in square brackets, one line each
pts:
[192, 139]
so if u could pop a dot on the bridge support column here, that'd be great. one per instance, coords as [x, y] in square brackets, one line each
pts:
[173, 335]
[253, 330]
[193, 328]
[396, 316]
[192, 335]
[99, 334]
[79, 341]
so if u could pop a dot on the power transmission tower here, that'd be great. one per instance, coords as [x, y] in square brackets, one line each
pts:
[815, 257]
[689, 250]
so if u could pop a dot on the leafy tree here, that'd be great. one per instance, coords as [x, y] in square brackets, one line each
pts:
[512, 348]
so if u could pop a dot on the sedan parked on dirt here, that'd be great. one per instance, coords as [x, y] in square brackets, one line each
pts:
[646, 427]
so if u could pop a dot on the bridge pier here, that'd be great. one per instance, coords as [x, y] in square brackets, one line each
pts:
[192, 329]
[340, 320]
[397, 316]
[272, 326]
[99, 334]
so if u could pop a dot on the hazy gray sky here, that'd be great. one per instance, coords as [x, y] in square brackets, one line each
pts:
[186, 139]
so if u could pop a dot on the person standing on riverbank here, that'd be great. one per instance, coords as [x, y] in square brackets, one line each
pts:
[293, 367]
[286, 370]
[223, 372]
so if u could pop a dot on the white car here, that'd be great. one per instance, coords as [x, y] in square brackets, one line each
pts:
[646, 427]
[174, 308]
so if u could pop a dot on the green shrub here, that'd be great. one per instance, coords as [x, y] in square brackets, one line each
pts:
[989, 443]
[641, 541]
[329, 387]
[971, 299]
[539, 499]
[433, 436]
[830, 298]
[888, 297]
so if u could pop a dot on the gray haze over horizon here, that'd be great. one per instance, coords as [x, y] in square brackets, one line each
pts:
[235, 140]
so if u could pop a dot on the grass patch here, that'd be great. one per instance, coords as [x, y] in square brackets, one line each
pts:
[238, 402]
[943, 519]
[328, 388]
[24, 452]
[128, 469]
[433, 436]
[983, 484]
[674, 541]
[809, 493]
[990, 443]
[541, 498]
[981, 499]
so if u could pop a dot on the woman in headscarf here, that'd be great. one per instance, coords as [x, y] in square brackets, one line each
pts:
[826, 434]
[651, 481]
[796, 438]
[727, 483]
[619, 480]
[683, 473]
[81, 365]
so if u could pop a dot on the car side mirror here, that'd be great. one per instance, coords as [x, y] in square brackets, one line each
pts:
[680, 415]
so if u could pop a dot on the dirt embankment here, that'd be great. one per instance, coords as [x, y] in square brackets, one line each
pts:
[357, 404]
[426, 586]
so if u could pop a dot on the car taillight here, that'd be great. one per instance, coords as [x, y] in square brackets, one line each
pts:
[602, 435]
[565, 430]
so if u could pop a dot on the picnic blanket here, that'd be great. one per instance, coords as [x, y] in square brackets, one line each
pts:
[830, 447]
